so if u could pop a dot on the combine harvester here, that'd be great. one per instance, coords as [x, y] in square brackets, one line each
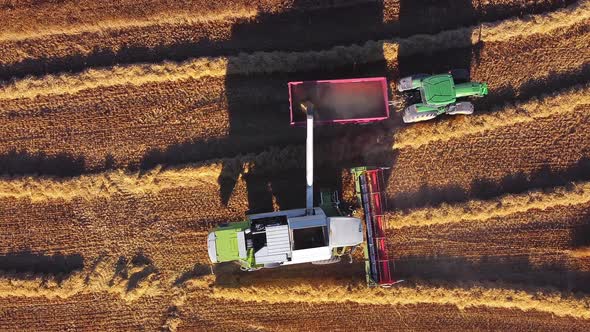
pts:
[321, 234]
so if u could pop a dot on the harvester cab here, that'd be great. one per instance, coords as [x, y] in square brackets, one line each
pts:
[439, 94]
[318, 234]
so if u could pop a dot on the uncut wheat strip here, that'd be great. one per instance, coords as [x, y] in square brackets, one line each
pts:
[107, 184]
[270, 62]
[508, 115]
[480, 295]
[477, 211]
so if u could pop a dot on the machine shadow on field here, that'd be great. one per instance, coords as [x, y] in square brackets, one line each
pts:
[580, 235]
[14, 163]
[335, 145]
[425, 13]
[411, 61]
[27, 264]
[228, 276]
[544, 178]
[517, 271]
[556, 81]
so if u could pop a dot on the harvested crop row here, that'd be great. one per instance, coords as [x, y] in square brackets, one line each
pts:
[203, 312]
[404, 179]
[195, 120]
[204, 176]
[262, 62]
[170, 228]
[181, 34]
[104, 278]
[169, 225]
[477, 295]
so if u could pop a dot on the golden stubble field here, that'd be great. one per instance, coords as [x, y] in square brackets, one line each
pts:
[129, 128]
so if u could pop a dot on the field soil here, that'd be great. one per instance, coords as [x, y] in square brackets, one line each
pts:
[129, 129]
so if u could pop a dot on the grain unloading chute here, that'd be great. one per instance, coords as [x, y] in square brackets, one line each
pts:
[321, 234]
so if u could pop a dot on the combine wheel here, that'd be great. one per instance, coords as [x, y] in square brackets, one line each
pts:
[460, 108]
[271, 265]
[327, 261]
[411, 115]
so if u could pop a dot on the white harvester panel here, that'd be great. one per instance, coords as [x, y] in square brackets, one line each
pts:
[277, 240]
[345, 231]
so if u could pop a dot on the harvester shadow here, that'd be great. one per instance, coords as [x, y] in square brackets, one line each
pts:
[515, 271]
[199, 270]
[545, 178]
[26, 264]
[285, 187]
[229, 275]
[580, 235]
[14, 163]
[306, 30]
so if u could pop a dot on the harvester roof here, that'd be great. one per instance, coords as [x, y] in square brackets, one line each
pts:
[439, 90]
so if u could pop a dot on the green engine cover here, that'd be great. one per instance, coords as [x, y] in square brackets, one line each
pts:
[226, 240]
[438, 90]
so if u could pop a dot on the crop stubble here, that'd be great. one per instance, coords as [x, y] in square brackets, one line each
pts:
[163, 215]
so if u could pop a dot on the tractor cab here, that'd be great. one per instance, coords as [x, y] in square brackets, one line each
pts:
[438, 90]
[439, 95]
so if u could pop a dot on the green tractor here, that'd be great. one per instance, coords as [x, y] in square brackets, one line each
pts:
[439, 95]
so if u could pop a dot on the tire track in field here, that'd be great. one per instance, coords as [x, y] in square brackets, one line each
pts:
[265, 63]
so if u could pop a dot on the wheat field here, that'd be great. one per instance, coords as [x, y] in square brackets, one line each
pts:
[128, 129]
